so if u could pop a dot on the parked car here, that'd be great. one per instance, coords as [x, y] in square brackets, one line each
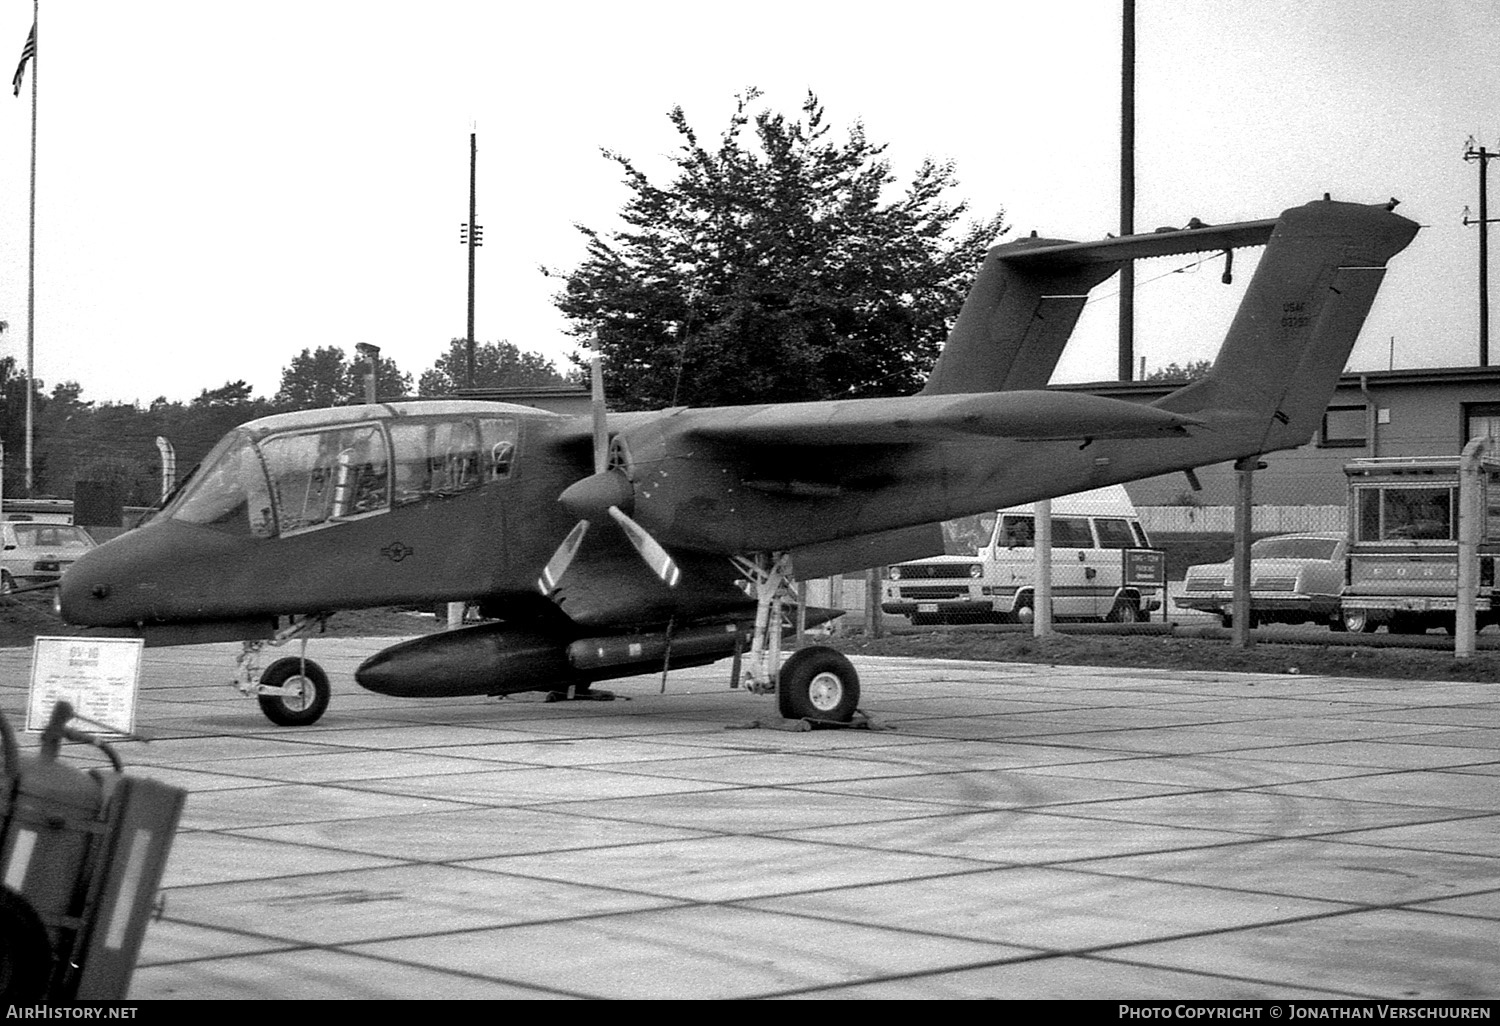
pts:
[37, 553]
[1294, 578]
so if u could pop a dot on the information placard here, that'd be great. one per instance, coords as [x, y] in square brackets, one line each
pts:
[98, 676]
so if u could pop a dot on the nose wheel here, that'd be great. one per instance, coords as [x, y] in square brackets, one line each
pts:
[293, 692]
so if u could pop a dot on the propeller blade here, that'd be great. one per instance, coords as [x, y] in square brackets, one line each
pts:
[661, 564]
[558, 565]
[601, 432]
[604, 491]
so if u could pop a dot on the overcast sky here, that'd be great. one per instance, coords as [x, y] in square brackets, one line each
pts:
[221, 186]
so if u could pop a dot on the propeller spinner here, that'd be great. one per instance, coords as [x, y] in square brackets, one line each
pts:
[606, 492]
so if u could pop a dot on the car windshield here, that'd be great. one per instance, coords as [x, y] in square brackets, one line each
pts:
[967, 535]
[51, 536]
[1294, 548]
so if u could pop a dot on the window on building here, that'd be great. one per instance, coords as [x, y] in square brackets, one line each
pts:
[1481, 419]
[1344, 426]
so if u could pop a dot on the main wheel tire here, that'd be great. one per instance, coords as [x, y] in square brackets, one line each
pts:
[7, 583]
[25, 952]
[818, 683]
[307, 705]
[1125, 611]
[1357, 621]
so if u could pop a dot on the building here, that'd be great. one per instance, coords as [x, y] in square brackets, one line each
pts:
[1428, 412]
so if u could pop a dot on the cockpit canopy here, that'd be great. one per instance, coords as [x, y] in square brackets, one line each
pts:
[283, 483]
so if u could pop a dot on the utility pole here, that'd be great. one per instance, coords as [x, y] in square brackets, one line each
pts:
[31, 262]
[471, 235]
[1127, 186]
[1484, 157]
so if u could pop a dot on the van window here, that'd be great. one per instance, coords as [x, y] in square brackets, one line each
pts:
[1071, 533]
[1019, 532]
[1114, 534]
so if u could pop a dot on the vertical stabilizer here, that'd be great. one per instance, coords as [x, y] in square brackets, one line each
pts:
[1300, 317]
[1015, 322]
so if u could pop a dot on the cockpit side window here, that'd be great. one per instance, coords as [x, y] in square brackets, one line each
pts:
[445, 457]
[497, 442]
[326, 476]
[229, 492]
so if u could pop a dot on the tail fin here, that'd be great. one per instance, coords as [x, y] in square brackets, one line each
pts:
[1027, 297]
[1014, 323]
[1299, 319]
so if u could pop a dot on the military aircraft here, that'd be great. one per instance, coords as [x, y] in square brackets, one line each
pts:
[621, 543]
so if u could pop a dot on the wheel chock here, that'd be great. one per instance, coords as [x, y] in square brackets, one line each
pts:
[580, 694]
[859, 721]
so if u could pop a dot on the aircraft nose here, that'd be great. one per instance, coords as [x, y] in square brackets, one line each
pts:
[89, 589]
[142, 575]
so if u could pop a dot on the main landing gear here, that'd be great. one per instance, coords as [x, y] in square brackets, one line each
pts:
[815, 683]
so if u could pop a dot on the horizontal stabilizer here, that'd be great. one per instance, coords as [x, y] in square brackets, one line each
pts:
[1042, 253]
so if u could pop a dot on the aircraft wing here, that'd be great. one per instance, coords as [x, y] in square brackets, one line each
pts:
[1020, 416]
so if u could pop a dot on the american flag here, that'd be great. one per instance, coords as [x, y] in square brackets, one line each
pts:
[27, 52]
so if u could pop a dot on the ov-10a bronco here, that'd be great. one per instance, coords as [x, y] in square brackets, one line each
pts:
[617, 543]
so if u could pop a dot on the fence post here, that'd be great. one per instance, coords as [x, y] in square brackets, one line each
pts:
[872, 602]
[1041, 596]
[1471, 526]
[1244, 474]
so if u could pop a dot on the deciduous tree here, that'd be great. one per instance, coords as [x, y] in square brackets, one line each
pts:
[496, 365]
[779, 264]
[323, 377]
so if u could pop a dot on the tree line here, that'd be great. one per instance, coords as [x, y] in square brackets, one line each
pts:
[74, 439]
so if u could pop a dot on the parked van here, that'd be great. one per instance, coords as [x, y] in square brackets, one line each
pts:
[1103, 566]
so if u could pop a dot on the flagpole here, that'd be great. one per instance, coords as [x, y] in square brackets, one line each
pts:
[31, 260]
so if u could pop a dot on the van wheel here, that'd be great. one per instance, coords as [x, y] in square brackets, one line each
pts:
[1357, 621]
[1125, 611]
